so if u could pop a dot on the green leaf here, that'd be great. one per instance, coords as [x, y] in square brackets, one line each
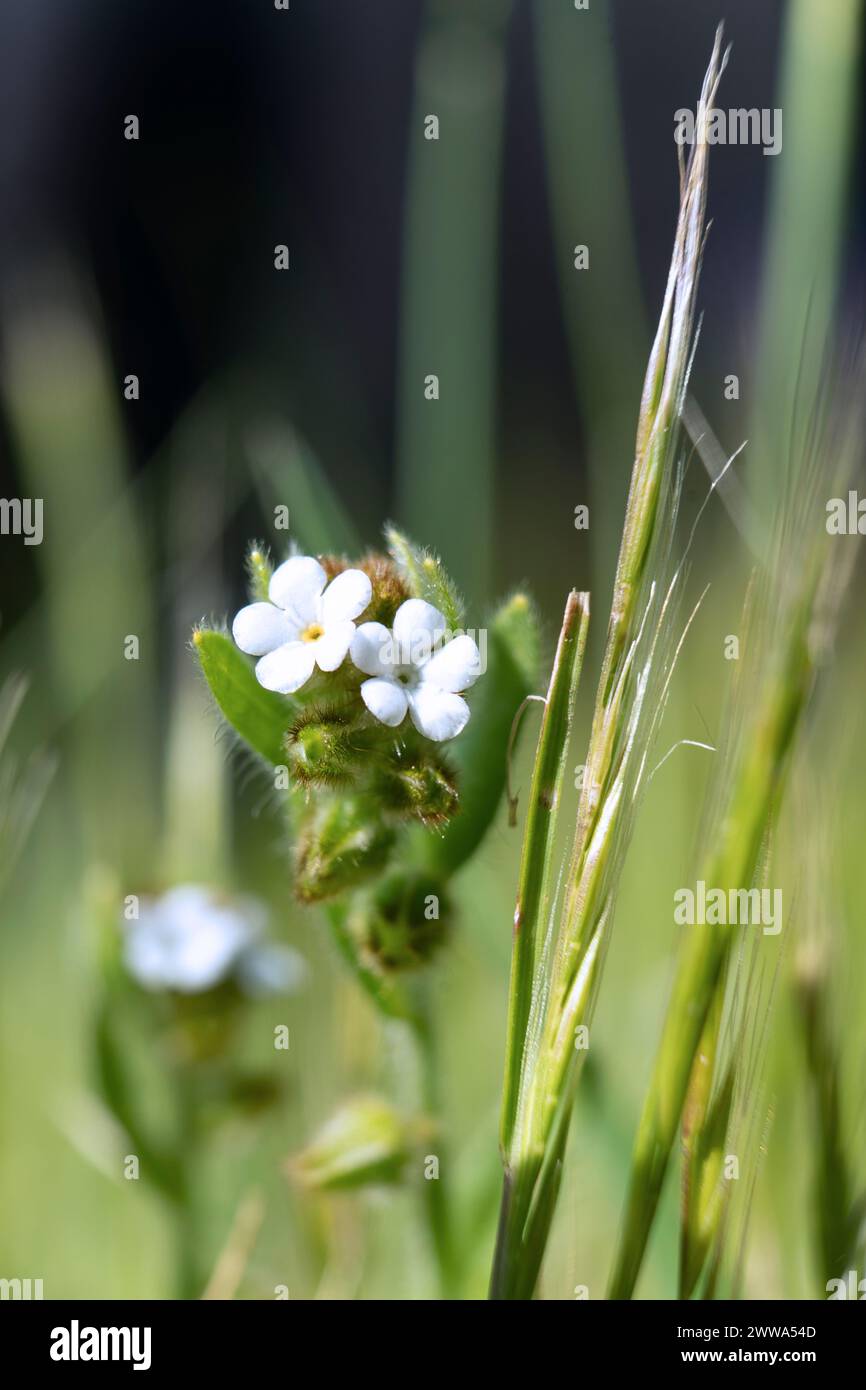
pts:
[480, 751]
[426, 576]
[259, 716]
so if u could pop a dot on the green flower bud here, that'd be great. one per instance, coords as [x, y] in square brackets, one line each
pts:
[321, 748]
[341, 843]
[402, 922]
[423, 788]
[367, 1142]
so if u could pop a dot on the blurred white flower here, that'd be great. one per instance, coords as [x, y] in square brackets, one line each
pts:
[305, 624]
[192, 938]
[409, 670]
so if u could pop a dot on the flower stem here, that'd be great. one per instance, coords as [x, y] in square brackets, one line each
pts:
[190, 1280]
[436, 1199]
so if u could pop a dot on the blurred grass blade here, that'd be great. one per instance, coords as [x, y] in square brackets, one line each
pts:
[805, 229]
[818, 1004]
[731, 862]
[195, 836]
[22, 786]
[288, 474]
[797, 615]
[64, 412]
[446, 445]
[603, 308]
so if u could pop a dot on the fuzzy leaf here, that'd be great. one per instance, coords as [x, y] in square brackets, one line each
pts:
[259, 716]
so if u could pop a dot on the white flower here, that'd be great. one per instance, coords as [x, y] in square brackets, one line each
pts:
[409, 673]
[305, 624]
[191, 939]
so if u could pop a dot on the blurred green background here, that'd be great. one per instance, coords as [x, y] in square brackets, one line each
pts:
[305, 388]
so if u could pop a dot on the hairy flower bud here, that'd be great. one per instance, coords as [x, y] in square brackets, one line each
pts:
[367, 1142]
[421, 787]
[401, 923]
[342, 842]
[321, 747]
[259, 571]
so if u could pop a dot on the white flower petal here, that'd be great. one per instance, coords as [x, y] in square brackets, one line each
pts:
[146, 954]
[371, 646]
[287, 668]
[418, 626]
[297, 584]
[456, 667]
[330, 649]
[259, 628]
[207, 950]
[386, 700]
[346, 596]
[185, 903]
[437, 714]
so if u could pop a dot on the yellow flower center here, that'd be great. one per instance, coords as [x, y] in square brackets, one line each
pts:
[312, 633]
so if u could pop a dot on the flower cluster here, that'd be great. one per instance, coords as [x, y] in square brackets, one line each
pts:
[308, 622]
[372, 664]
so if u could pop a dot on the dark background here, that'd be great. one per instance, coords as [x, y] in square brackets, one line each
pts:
[262, 127]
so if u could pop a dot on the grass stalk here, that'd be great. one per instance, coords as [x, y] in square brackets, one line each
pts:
[544, 798]
[695, 1121]
[629, 700]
